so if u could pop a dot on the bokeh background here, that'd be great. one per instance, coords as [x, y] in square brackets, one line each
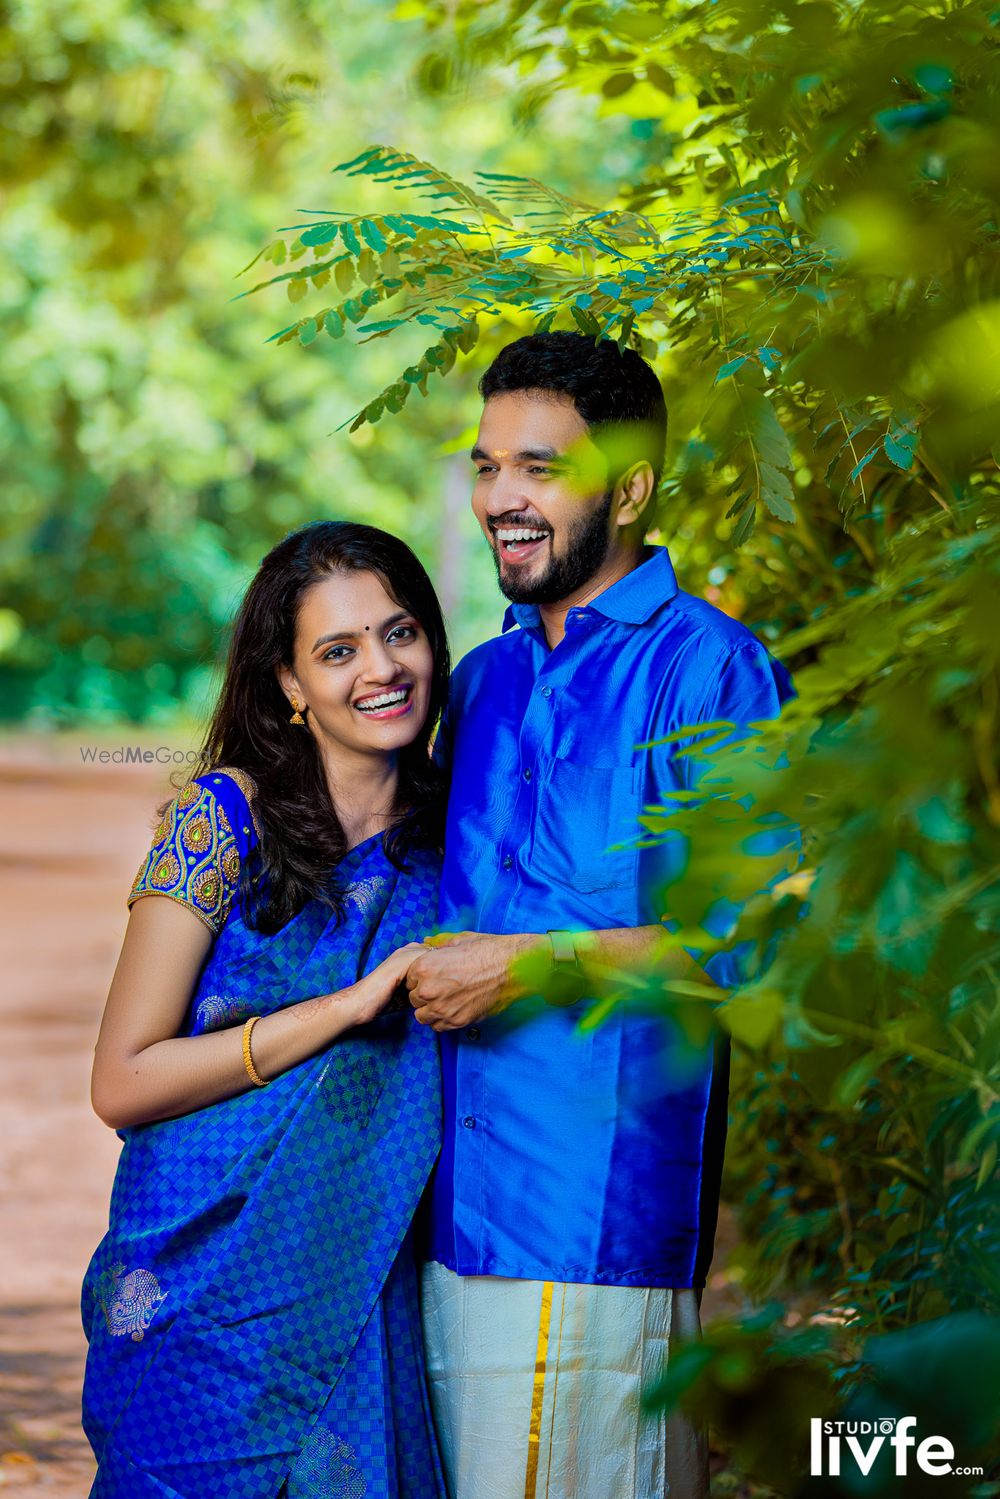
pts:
[792, 210]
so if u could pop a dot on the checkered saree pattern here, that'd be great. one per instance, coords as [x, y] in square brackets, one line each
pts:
[272, 1335]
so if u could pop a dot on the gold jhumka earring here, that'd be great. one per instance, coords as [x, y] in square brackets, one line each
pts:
[296, 713]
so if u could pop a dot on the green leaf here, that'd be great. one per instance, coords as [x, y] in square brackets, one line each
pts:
[752, 1018]
[396, 396]
[987, 1165]
[334, 323]
[730, 368]
[343, 273]
[863, 463]
[349, 235]
[586, 322]
[358, 161]
[297, 288]
[764, 429]
[448, 226]
[319, 234]
[373, 236]
[399, 226]
[900, 448]
[617, 84]
[743, 530]
[857, 1078]
[308, 331]
[776, 492]
[661, 79]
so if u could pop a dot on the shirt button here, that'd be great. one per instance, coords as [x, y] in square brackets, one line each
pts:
[546, 692]
[473, 1033]
[469, 1122]
[527, 772]
[508, 862]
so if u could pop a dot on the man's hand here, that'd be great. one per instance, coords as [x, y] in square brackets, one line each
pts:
[463, 976]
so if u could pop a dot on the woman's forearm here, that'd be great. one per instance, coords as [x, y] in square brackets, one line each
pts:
[185, 1073]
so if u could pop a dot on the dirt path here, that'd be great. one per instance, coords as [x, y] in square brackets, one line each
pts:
[71, 839]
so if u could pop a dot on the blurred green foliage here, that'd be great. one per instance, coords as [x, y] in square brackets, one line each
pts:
[808, 250]
[151, 446]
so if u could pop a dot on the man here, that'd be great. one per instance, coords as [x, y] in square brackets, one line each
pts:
[574, 1206]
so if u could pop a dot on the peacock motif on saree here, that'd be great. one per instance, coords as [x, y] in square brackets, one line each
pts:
[130, 1301]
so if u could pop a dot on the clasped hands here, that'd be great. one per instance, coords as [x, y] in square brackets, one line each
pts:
[459, 977]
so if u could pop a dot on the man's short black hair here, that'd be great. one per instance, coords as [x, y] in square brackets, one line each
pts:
[608, 387]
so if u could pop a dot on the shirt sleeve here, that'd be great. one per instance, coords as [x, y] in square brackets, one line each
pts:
[751, 688]
[194, 858]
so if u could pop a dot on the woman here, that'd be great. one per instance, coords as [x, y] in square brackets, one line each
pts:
[252, 1310]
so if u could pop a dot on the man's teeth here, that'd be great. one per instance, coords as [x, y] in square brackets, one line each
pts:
[384, 700]
[520, 535]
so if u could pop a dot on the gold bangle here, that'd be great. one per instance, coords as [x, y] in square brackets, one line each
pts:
[252, 1073]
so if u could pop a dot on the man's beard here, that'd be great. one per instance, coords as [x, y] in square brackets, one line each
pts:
[587, 545]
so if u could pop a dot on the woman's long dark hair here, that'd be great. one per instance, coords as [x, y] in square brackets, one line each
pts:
[301, 838]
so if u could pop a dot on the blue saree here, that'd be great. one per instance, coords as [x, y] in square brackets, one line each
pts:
[252, 1312]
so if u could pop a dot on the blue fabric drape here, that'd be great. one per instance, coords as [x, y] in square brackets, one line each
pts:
[251, 1311]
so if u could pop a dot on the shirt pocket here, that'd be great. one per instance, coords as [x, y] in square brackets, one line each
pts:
[582, 811]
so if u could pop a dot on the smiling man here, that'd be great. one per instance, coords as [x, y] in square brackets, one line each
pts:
[574, 1205]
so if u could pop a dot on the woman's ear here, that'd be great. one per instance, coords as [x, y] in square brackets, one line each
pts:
[289, 683]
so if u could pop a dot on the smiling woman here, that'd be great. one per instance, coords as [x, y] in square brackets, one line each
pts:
[339, 615]
[280, 1120]
[363, 669]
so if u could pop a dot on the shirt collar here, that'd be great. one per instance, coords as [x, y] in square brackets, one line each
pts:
[633, 600]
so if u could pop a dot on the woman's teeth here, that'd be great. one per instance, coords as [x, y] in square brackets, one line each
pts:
[383, 701]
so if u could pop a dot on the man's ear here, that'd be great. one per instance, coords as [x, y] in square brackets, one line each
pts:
[633, 492]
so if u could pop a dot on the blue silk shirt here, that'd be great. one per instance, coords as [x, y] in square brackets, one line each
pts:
[587, 1156]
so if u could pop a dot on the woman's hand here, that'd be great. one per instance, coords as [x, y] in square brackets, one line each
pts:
[372, 994]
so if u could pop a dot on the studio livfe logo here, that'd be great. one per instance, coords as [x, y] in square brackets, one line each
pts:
[860, 1442]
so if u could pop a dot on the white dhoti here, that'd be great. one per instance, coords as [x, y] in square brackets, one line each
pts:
[535, 1387]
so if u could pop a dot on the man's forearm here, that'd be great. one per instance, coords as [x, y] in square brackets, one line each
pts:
[611, 948]
[466, 975]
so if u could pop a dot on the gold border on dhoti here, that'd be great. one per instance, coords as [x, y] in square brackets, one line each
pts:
[538, 1391]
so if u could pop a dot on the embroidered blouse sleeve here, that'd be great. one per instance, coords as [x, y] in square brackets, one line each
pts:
[194, 858]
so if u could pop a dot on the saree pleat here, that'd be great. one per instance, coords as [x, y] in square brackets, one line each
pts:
[258, 1252]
